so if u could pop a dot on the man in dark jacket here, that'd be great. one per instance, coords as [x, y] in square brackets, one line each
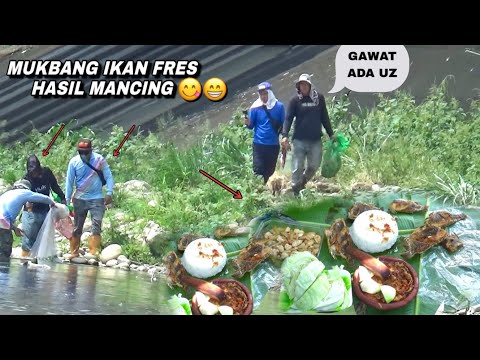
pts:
[43, 181]
[309, 110]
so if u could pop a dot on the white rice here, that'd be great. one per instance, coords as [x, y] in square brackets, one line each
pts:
[374, 231]
[204, 258]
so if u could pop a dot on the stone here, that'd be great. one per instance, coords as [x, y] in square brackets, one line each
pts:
[151, 231]
[111, 252]
[85, 236]
[123, 259]
[111, 263]
[79, 260]
[124, 266]
[152, 203]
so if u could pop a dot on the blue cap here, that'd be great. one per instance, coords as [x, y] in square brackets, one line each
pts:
[264, 86]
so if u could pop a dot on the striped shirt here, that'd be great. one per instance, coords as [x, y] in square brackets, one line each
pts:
[88, 185]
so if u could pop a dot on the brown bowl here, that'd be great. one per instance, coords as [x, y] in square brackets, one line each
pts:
[369, 300]
[222, 283]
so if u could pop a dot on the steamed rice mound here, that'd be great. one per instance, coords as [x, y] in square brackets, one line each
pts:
[374, 231]
[204, 258]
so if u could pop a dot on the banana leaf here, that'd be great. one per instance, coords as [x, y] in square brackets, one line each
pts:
[453, 279]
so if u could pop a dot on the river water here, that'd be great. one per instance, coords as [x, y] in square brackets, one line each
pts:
[69, 289]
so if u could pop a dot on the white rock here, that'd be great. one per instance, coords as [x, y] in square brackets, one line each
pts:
[85, 236]
[111, 262]
[151, 231]
[110, 252]
[152, 203]
[59, 254]
[133, 266]
[88, 225]
[123, 259]
[124, 266]
[141, 268]
[135, 186]
[89, 256]
[120, 216]
[79, 260]
[93, 262]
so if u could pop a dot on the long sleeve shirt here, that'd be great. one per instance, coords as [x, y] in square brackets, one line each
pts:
[11, 203]
[88, 185]
[43, 185]
[264, 133]
[309, 119]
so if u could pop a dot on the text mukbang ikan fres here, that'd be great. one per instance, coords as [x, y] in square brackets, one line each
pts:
[83, 78]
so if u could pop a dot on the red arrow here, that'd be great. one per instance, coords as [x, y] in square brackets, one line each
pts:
[236, 194]
[116, 152]
[45, 151]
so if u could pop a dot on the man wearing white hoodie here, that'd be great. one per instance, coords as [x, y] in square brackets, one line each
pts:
[309, 112]
[265, 117]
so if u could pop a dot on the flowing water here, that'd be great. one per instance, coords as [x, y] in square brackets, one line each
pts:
[69, 289]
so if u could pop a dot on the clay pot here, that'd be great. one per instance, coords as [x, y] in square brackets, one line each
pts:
[366, 299]
[221, 283]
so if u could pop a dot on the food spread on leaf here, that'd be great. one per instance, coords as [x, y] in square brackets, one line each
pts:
[204, 258]
[285, 241]
[406, 206]
[308, 286]
[374, 231]
[395, 288]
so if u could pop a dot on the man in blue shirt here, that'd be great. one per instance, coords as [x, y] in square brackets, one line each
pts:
[265, 117]
[11, 203]
[87, 170]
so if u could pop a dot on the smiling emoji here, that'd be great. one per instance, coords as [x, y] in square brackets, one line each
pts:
[215, 89]
[190, 89]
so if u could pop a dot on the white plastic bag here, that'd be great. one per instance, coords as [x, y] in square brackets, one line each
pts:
[45, 246]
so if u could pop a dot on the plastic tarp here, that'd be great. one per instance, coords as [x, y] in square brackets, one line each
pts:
[44, 246]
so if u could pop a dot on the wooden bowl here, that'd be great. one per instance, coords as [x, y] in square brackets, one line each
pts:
[369, 300]
[222, 283]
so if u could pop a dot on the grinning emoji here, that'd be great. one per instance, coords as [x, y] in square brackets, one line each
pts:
[190, 89]
[215, 89]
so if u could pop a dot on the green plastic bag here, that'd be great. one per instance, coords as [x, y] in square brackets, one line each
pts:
[332, 155]
[57, 199]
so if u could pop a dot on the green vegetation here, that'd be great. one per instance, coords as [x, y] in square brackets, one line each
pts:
[433, 145]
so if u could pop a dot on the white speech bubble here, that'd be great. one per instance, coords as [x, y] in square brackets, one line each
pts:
[371, 68]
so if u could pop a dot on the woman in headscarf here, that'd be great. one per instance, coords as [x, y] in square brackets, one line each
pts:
[43, 181]
[265, 117]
